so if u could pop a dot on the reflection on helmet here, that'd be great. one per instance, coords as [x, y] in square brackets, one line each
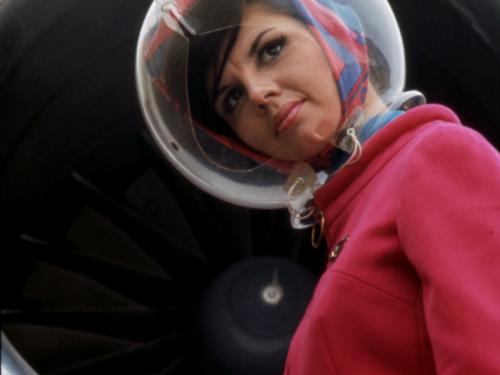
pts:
[182, 52]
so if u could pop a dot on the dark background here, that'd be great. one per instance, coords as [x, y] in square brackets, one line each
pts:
[106, 250]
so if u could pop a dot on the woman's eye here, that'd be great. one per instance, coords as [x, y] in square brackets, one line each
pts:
[231, 100]
[271, 49]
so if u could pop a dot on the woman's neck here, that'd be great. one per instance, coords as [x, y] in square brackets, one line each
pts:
[373, 104]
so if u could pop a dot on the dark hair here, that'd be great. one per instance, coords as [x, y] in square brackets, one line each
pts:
[378, 68]
[207, 58]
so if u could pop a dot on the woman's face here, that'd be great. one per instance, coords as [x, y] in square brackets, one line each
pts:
[277, 91]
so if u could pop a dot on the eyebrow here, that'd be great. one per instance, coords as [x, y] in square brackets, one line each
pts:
[255, 43]
[251, 53]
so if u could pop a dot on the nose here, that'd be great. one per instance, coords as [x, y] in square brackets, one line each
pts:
[262, 89]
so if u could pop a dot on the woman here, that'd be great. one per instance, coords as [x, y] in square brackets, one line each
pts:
[306, 95]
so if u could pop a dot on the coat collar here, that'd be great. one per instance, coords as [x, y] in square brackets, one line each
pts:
[344, 185]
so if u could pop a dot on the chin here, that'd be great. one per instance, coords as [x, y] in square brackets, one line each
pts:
[315, 148]
[302, 155]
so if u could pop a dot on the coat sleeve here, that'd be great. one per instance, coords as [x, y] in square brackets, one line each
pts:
[449, 225]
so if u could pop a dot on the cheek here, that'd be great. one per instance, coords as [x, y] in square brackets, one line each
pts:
[251, 132]
[331, 109]
[315, 78]
[241, 123]
[326, 128]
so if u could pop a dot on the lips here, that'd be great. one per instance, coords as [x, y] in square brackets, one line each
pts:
[286, 116]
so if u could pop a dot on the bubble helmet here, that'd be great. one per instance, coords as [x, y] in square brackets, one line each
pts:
[360, 40]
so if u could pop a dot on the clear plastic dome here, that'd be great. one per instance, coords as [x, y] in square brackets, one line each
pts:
[183, 43]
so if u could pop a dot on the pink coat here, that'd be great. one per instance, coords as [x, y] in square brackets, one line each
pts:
[413, 283]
